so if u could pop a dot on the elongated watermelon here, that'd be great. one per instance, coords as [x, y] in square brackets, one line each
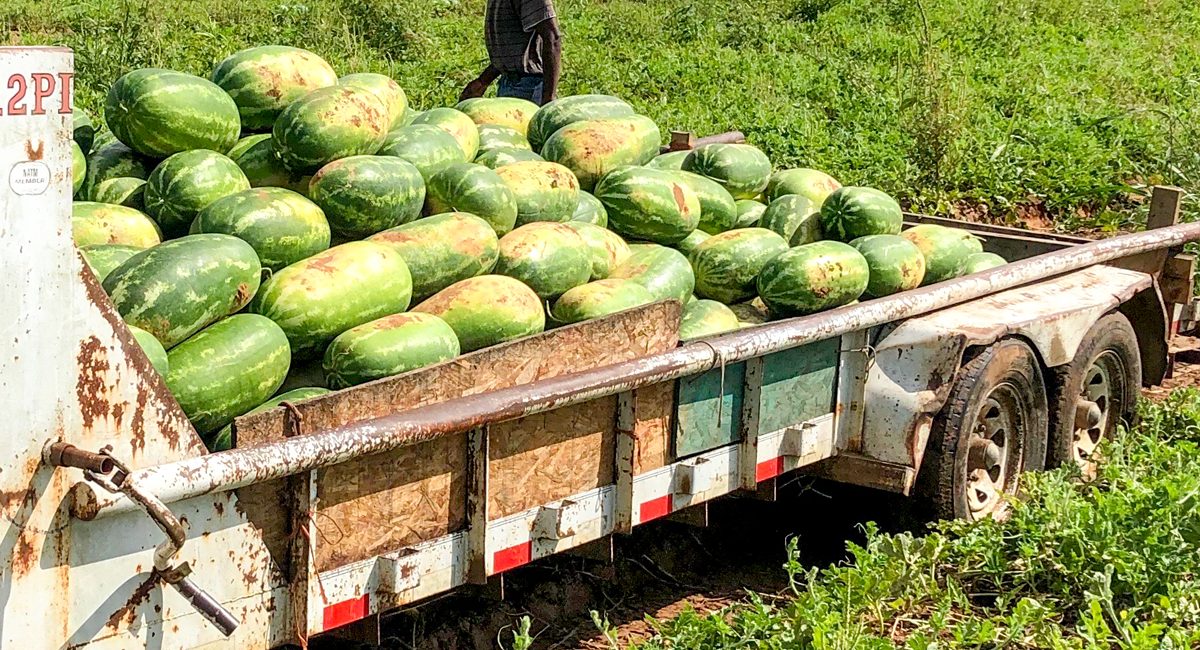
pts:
[181, 286]
[154, 351]
[492, 136]
[227, 369]
[726, 265]
[545, 191]
[103, 258]
[813, 277]
[78, 168]
[256, 157]
[223, 439]
[282, 226]
[794, 218]
[705, 318]
[742, 169]
[548, 257]
[457, 124]
[981, 262]
[649, 204]
[467, 187]
[443, 249]
[328, 124]
[665, 272]
[126, 191]
[496, 158]
[161, 112]
[83, 130]
[689, 243]
[427, 147]
[749, 213]
[113, 160]
[316, 299]
[853, 212]
[589, 209]
[565, 110]
[607, 248]
[363, 195]
[264, 80]
[102, 223]
[896, 264]
[946, 250]
[388, 346]
[487, 310]
[509, 112]
[671, 161]
[592, 148]
[718, 212]
[184, 184]
[812, 184]
[599, 298]
[384, 87]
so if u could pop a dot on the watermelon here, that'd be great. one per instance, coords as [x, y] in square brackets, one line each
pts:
[670, 161]
[160, 112]
[607, 248]
[224, 438]
[742, 169]
[282, 226]
[505, 156]
[363, 195]
[82, 130]
[750, 313]
[227, 369]
[510, 112]
[154, 351]
[443, 249]
[113, 160]
[813, 277]
[467, 187]
[101, 223]
[589, 209]
[726, 265]
[328, 124]
[410, 114]
[981, 262]
[184, 184]
[749, 212]
[852, 212]
[706, 318]
[388, 346]
[718, 212]
[794, 218]
[457, 124]
[811, 184]
[500, 137]
[566, 110]
[427, 147]
[896, 264]
[545, 191]
[548, 257]
[103, 137]
[78, 168]
[487, 310]
[256, 157]
[599, 298]
[665, 272]
[690, 242]
[318, 298]
[179, 287]
[123, 190]
[103, 258]
[946, 250]
[264, 80]
[649, 204]
[240, 147]
[592, 148]
[386, 89]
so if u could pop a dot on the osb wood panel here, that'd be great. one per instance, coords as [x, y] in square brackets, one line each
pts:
[652, 429]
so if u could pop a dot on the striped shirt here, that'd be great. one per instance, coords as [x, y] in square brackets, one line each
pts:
[512, 44]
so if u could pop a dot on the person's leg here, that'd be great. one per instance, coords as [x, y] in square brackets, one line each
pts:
[524, 87]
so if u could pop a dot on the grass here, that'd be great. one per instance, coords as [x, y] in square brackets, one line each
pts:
[1015, 110]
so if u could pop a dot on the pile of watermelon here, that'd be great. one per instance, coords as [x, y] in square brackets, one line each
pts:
[277, 231]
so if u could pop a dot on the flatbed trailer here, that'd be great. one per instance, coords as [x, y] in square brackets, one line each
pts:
[118, 529]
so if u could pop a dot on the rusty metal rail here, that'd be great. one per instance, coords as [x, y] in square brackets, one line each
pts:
[236, 468]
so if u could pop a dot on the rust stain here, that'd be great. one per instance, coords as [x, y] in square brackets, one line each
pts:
[92, 364]
[127, 612]
[34, 152]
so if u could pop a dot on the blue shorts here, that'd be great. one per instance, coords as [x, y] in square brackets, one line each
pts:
[523, 86]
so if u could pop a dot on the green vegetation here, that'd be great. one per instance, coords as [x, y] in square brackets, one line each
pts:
[1017, 109]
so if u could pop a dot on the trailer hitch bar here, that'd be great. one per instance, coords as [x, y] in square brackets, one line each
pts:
[110, 473]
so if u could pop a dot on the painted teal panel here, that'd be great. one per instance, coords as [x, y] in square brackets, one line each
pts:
[697, 425]
[798, 385]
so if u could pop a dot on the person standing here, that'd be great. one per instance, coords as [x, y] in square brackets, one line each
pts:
[524, 48]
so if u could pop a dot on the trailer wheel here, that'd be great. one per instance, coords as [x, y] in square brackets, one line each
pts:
[992, 429]
[1094, 393]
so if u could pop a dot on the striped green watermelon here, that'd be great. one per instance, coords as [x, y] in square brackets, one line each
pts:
[742, 169]
[316, 299]
[154, 351]
[981, 262]
[545, 191]
[705, 318]
[427, 147]
[665, 272]
[592, 148]
[649, 204]
[496, 158]
[101, 223]
[689, 243]
[443, 249]
[388, 346]
[83, 131]
[852, 212]
[467, 187]
[386, 89]
[457, 124]
[256, 157]
[223, 439]
[328, 124]
[599, 298]
[548, 257]
[103, 137]
[812, 278]
[794, 218]
[896, 264]
[492, 136]
[749, 213]
[184, 184]
[363, 195]
[565, 110]
[946, 250]
[750, 313]
[607, 248]
[813, 185]
[589, 209]
[161, 112]
[670, 161]
[78, 168]
[282, 226]
[103, 258]
[113, 160]
[487, 310]
[227, 369]
[718, 212]
[240, 147]
[509, 112]
[181, 286]
[124, 190]
[726, 265]
[264, 80]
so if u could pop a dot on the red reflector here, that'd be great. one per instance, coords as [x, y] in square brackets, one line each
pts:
[512, 557]
[655, 508]
[768, 469]
[347, 611]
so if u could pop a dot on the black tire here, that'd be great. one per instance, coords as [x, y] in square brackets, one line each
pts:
[997, 407]
[1107, 372]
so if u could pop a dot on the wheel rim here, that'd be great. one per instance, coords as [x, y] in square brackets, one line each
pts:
[994, 451]
[1094, 409]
